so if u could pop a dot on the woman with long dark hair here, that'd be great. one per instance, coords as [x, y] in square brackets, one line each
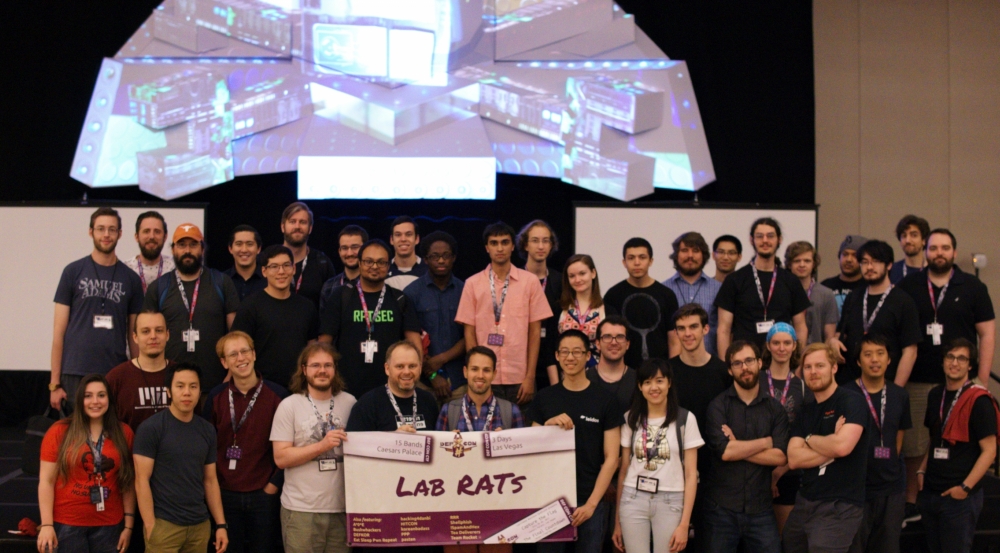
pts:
[658, 474]
[85, 484]
[582, 305]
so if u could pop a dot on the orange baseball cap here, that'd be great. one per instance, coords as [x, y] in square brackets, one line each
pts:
[187, 230]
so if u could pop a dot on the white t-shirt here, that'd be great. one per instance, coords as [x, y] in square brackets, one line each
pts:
[306, 488]
[149, 274]
[667, 459]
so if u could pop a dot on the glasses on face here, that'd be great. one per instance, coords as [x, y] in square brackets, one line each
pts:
[434, 257]
[608, 338]
[536, 241]
[726, 253]
[748, 362]
[573, 352]
[761, 236]
[380, 263]
[234, 355]
[103, 230]
[351, 248]
[961, 359]
[318, 366]
[282, 267]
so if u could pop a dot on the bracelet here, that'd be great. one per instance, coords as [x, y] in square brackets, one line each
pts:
[44, 525]
[921, 472]
[130, 515]
[128, 528]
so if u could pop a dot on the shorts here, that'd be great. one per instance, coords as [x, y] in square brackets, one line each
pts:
[917, 439]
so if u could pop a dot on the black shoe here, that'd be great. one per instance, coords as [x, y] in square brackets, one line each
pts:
[910, 514]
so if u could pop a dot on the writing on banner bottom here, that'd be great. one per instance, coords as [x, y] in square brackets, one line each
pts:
[461, 527]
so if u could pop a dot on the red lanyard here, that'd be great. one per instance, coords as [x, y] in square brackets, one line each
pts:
[298, 282]
[871, 407]
[760, 291]
[940, 299]
[194, 296]
[142, 277]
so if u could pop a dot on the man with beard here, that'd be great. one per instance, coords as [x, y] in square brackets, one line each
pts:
[362, 319]
[435, 296]
[97, 300]
[198, 303]
[830, 443]
[727, 252]
[951, 304]
[690, 283]
[151, 235]
[399, 405]
[747, 434]
[349, 243]
[244, 246]
[479, 410]
[760, 294]
[308, 436]
[406, 266]
[281, 323]
[912, 233]
[849, 278]
[312, 267]
[881, 310]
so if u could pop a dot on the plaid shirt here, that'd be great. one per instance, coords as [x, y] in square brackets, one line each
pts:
[703, 293]
[479, 420]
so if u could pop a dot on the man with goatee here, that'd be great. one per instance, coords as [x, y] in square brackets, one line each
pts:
[150, 235]
[198, 303]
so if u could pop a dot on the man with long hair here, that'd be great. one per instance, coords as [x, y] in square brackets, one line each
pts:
[690, 283]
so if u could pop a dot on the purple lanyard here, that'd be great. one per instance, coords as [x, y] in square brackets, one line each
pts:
[760, 291]
[784, 393]
[369, 325]
[879, 420]
[867, 321]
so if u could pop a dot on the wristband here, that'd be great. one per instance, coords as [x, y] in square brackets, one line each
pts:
[130, 515]
[223, 526]
[965, 488]
[921, 472]
[432, 376]
[44, 525]
[128, 528]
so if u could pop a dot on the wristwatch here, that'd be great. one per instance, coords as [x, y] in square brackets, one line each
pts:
[53, 386]
[806, 440]
[224, 526]
[965, 488]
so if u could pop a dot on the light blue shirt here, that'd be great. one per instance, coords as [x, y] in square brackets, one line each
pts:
[703, 293]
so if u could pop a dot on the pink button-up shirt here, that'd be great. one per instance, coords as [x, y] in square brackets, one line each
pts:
[525, 304]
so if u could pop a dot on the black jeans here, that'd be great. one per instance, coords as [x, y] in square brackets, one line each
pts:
[252, 518]
[950, 523]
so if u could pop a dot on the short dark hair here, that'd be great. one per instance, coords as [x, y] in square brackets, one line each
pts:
[135, 323]
[573, 333]
[692, 240]
[521, 240]
[498, 228]
[402, 219]
[637, 243]
[271, 252]
[150, 215]
[178, 367]
[967, 344]
[728, 238]
[871, 339]
[374, 242]
[481, 350]
[352, 230]
[438, 236]
[769, 221]
[105, 212]
[294, 208]
[616, 320]
[954, 242]
[912, 220]
[878, 250]
[737, 346]
[690, 310]
[244, 228]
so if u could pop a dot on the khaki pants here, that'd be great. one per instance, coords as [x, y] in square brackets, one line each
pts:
[314, 532]
[168, 537]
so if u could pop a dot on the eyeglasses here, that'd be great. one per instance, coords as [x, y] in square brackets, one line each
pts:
[282, 267]
[318, 366]
[728, 253]
[951, 358]
[380, 263]
[573, 352]
[748, 362]
[234, 355]
[352, 248]
[769, 236]
[608, 338]
[439, 257]
[536, 241]
[102, 230]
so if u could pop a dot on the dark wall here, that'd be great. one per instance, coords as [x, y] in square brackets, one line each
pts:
[751, 66]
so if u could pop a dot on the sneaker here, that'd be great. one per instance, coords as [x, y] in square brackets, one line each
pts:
[910, 514]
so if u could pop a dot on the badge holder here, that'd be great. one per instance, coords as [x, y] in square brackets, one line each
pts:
[326, 465]
[495, 339]
[97, 496]
[763, 327]
[882, 452]
[104, 321]
[190, 337]
[941, 453]
[647, 484]
[935, 330]
[369, 347]
[234, 454]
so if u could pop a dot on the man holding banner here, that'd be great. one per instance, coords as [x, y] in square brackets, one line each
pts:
[479, 409]
[400, 405]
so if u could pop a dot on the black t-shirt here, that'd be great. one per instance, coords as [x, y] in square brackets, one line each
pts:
[798, 395]
[374, 412]
[280, 329]
[346, 324]
[841, 480]
[943, 474]
[886, 476]
[966, 303]
[216, 298]
[649, 312]
[841, 288]
[739, 296]
[319, 269]
[896, 322]
[593, 411]
[696, 387]
[622, 390]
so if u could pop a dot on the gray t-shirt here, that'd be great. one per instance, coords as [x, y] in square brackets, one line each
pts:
[91, 290]
[822, 312]
[306, 488]
[180, 451]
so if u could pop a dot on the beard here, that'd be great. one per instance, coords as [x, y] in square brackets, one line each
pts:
[150, 253]
[319, 387]
[765, 255]
[748, 385]
[292, 241]
[851, 273]
[940, 266]
[688, 270]
[877, 279]
[102, 249]
[188, 264]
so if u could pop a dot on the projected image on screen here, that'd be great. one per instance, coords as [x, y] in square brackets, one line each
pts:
[393, 99]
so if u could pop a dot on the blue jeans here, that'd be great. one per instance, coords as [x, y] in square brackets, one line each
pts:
[950, 523]
[759, 532]
[589, 535]
[252, 519]
[87, 539]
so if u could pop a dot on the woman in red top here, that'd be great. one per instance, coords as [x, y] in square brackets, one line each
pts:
[85, 487]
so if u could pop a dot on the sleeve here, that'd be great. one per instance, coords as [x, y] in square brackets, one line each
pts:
[537, 411]
[983, 422]
[245, 320]
[670, 306]
[151, 301]
[135, 302]
[283, 424]
[362, 417]
[129, 435]
[64, 290]
[410, 321]
[715, 417]
[626, 440]
[800, 301]
[611, 415]
[611, 303]
[909, 331]
[230, 294]
[798, 427]
[692, 434]
[50, 443]
[929, 414]
[905, 420]
[431, 402]
[442, 420]
[467, 305]
[855, 410]
[213, 446]
[329, 319]
[983, 304]
[313, 321]
[726, 298]
[538, 304]
[208, 410]
[829, 308]
[146, 440]
[779, 425]
[845, 313]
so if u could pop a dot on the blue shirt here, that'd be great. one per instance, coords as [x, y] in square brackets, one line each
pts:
[703, 293]
[436, 311]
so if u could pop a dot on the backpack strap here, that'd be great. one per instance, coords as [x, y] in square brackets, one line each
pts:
[163, 287]
[506, 412]
[215, 278]
[454, 410]
[679, 424]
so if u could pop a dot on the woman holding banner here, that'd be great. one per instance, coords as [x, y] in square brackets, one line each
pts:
[658, 477]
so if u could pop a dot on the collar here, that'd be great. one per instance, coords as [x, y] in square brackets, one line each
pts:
[678, 278]
[959, 277]
[731, 393]
[232, 384]
[468, 398]
[514, 272]
[428, 281]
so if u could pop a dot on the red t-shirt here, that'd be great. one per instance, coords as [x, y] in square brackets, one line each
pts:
[138, 394]
[72, 502]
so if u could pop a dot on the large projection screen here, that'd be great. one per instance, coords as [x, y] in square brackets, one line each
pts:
[39, 241]
[603, 228]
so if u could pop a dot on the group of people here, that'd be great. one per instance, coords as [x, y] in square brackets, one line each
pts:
[218, 413]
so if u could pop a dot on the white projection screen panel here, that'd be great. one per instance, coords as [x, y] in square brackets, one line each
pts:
[39, 241]
[602, 229]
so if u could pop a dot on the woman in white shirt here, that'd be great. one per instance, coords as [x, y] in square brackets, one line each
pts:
[582, 305]
[658, 477]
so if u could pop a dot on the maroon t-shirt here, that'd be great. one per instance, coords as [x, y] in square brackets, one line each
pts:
[138, 394]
